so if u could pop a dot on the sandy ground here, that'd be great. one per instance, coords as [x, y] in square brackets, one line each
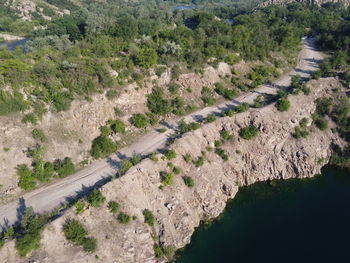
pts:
[52, 196]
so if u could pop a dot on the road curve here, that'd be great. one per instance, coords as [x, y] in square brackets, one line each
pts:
[52, 196]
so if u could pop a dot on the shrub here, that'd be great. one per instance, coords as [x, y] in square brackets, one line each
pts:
[39, 135]
[113, 207]
[300, 133]
[221, 153]
[149, 217]
[30, 117]
[126, 165]
[95, 198]
[105, 131]
[170, 154]
[177, 170]
[323, 106]
[139, 120]
[321, 123]
[80, 206]
[199, 162]
[217, 143]
[102, 147]
[283, 104]
[166, 178]
[64, 167]
[249, 132]
[89, 244]
[225, 134]
[161, 251]
[187, 157]
[74, 231]
[123, 218]
[117, 126]
[162, 130]
[188, 181]
[242, 107]
[210, 118]
[26, 177]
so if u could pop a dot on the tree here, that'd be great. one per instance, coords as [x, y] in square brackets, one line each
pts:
[102, 147]
[139, 120]
[188, 181]
[283, 104]
[149, 217]
[249, 132]
[147, 58]
[95, 198]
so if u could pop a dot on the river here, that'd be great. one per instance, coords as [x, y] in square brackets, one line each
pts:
[283, 221]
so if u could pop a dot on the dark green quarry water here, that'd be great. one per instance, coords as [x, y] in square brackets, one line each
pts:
[282, 221]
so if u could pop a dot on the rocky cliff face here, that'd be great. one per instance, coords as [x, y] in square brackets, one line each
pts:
[274, 154]
[312, 2]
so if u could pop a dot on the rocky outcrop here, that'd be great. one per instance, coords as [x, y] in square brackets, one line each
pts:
[311, 2]
[273, 154]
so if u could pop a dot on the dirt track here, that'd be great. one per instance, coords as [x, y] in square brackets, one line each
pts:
[51, 196]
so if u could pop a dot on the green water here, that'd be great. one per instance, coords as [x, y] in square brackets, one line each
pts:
[282, 221]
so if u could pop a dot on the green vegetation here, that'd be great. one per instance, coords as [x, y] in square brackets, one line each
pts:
[225, 135]
[113, 207]
[149, 217]
[282, 104]
[163, 251]
[242, 107]
[28, 233]
[42, 171]
[249, 132]
[76, 233]
[140, 120]
[170, 154]
[102, 147]
[188, 180]
[95, 198]
[80, 207]
[222, 154]
[199, 161]
[39, 135]
[166, 178]
[123, 218]
[301, 131]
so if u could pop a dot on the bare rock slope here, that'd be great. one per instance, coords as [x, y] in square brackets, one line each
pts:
[273, 154]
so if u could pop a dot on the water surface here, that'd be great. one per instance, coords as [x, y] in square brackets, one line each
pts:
[282, 221]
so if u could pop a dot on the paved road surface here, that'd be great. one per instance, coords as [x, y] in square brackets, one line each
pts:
[51, 196]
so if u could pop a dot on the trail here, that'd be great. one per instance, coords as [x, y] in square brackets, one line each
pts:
[52, 196]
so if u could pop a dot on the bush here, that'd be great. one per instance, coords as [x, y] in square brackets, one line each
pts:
[199, 162]
[123, 218]
[113, 207]
[26, 177]
[242, 107]
[126, 165]
[74, 231]
[188, 181]
[187, 157]
[30, 117]
[222, 154]
[117, 126]
[105, 131]
[282, 104]
[95, 198]
[321, 123]
[39, 135]
[177, 170]
[161, 251]
[300, 133]
[149, 217]
[166, 178]
[210, 118]
[89, 244]
[139, 120]
[102, 147]
[80, 206]
[249, 132]
[225, 134]
[323, 106]
[170, 154]
[64, 167]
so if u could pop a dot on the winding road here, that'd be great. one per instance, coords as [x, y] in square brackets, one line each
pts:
[51, 196]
